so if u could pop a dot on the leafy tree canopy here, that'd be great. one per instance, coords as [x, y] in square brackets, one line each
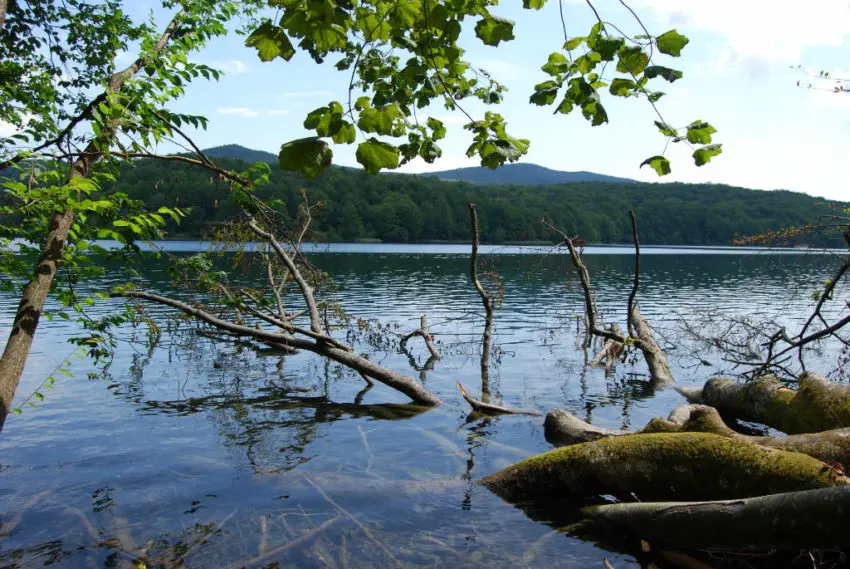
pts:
[403, 55]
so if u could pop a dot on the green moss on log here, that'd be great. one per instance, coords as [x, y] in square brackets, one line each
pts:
[661, 466]
[816, 405]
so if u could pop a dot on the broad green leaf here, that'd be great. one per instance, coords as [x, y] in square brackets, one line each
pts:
[573, 43]
[607, 48]
[632, 60]
[666, 129]
[704, 155]
[586, 63]
[492, 30]
[437, 128]
[307, 155]
[699, 132]
[622, 87]
[658, 163]
[376, 155]
[387, 120]
[671, 43]
[556, 65]
[654, 71]
[594, 112]
[533, 4]
[270, 42]
[544, 93]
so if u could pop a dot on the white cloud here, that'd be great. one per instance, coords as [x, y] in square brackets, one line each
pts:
[233, 66]
[240, 111]
[761, 29]
[247, 113]
[306, 94]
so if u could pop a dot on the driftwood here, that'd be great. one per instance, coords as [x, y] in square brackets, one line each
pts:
[489, 408]
[816, 405]
[425, 335]
[796, 520]
[611, 350]
[661, 466]
[832, 446]
[562, 428]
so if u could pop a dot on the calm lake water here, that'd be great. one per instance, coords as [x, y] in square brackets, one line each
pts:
[205, 454]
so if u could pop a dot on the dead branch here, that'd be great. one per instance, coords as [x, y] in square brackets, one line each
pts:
[489, 408]
[488, 304]
[644, 340]
[631, 305]
[404, 384]
[425, 335]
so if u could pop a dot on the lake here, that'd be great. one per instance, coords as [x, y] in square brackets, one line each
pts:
[209, 454]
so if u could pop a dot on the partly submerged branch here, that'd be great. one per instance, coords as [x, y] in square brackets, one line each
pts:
[489, 408]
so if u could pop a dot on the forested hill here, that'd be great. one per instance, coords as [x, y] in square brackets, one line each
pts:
[411, 208]
[521, 175]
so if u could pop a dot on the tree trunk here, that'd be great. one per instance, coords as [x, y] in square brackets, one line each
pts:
[810, 519]
[656, 360]
[35, 293]
[816, 405]
[661, 466]
[3, 8]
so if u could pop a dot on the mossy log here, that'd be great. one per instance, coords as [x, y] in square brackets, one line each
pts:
[661, 466]
[816, 405]
[796, 520]
[833, 446]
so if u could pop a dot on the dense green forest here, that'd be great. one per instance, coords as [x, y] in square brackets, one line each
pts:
[411, 208]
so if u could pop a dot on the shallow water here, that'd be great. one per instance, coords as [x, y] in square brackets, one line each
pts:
[199, 454]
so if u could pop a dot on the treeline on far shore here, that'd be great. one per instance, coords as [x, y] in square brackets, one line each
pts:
[403, 208]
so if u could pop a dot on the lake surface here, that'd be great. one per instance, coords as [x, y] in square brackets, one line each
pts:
[206, 454]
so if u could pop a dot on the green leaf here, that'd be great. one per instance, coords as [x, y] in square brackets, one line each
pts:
[622, 87]
[632, 60]
[699, 132]
[270, 42]
[658, 163]
[573, 43]
[666, 129]
[388, 121]
[533, 4]
[671, 43]
[654, 71]
[307, 155]
[556, 65]
[703, 156]
[544, 93]
[376, 155]
[607, 48]
[439, 130]
[492, 30]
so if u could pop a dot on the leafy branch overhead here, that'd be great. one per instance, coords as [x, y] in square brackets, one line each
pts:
[404, 55]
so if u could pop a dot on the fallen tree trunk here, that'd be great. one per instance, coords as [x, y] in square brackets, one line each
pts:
[816, 405]
[833, 446]
[796, 520]
[404, 384]
[661, 466]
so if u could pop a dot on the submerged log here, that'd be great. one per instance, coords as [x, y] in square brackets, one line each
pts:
[796, 520]
[489, 408]
[661, 466]
[816, 405]
[562, 428]
[832, 446]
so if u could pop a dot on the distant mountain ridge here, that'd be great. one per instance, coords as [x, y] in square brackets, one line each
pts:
[521, 175]
[507, 175]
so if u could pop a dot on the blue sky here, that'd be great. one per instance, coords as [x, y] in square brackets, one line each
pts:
[737, 75]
